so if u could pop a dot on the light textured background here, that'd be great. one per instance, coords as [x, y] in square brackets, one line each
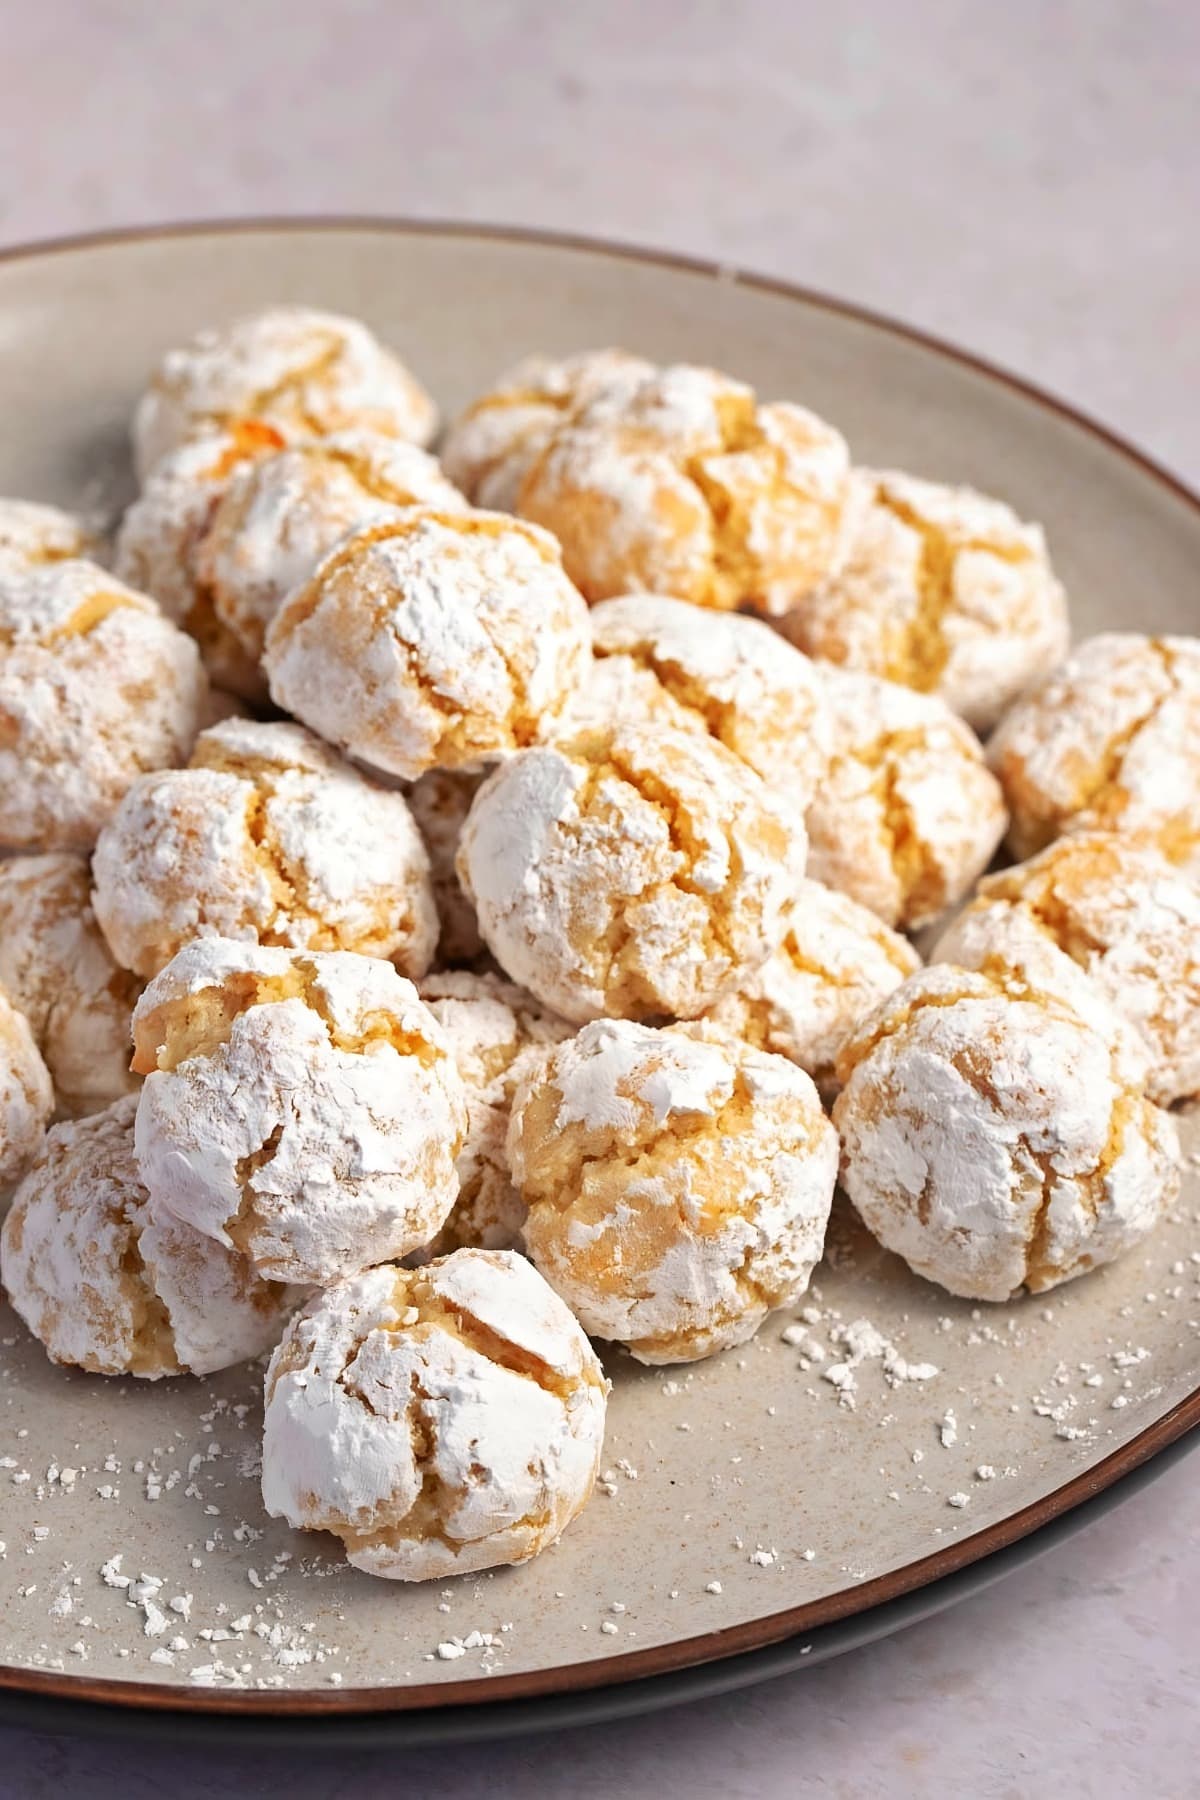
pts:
[1024, 179]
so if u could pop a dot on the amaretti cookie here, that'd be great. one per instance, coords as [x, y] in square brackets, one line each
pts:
[1112, 906]
[438, 1420]
[305, 373]
[635, 872]
[689, 486]
[57, 967]
[678, 1184]
[496, 1032]
[107, 1281]
[941, 589]
[837, 962]
[268, 836]
[224, 529]
[764, 702]
[439, 802]
[96, 688]
[908, 813]
[1109, 741]
[26, 1094]
[489, 449]
[432, 641]
[33, 534]
[302, 1109]
[994, 1139]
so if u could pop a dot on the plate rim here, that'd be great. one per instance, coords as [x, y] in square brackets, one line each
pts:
[773, 1629]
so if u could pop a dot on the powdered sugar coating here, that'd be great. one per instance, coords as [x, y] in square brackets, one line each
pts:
[439, 1420]
[435, 640]
[489, 448]
[304, 372]
[764, 701]
[57, 967]
[26, 1093]
[496, 1033]
[688, 486]
[32, 534]
[992, 1138]
[636, 872]
[1118, 911]
[907, 815]
[96, 687]
[836, 962]
[1109, 741]
[678, 1184]
[303, 1109]
[439, 802]
[941, 589]
[108, 1282]
[271, 837]
[160, 537]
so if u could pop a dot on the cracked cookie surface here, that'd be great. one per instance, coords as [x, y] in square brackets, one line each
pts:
[26, 1093]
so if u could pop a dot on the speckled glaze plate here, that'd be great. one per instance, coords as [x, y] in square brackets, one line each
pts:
[753, 1510]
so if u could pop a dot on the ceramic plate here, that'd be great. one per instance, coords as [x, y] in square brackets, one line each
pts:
[748, 1501]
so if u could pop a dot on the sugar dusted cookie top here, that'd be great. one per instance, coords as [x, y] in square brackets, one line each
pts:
[1109, 741]
[1113, 907]
[489, 449]
[26, 1093]
[303, 1109]
[636, 872]
[993, 1138]
[765, 704]
[57, 967]
[942, 590]
[305, 373]
[96, 688]
[837, 961]
[439, 1420]
[907, 815]
[496, 1032]
[678, 1184]
[32, 534]
[688, 486]
[270, 836]
[435, 640]
[108, 1282]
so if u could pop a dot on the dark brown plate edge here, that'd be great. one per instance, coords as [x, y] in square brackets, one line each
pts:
[775, 1628]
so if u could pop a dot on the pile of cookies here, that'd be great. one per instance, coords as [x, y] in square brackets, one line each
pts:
[453, 911]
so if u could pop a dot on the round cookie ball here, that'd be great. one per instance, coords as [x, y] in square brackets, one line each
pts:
[107, 1281]
[58, 968]
[159, 539]
[678, 1184]
[489, 449]
[992, 1137]
[302, 1109]
[687, 486]
[908, 814]
[438, 1420]
[305, 373]
[836, 962]
[1125, 917]
[496, 1032]
[942, 590]
[26, 1094]
[96, 688]
[1110, 741]
[32, 534]
[271, 837]
[439, 802]
[636, 873]
[765, 704]
[431, 641]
